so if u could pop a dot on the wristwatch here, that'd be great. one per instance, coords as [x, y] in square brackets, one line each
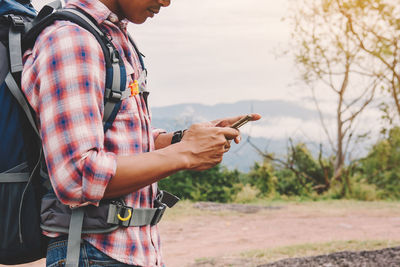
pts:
[177, 136]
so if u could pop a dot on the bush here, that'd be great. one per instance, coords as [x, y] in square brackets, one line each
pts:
[247, 194]
[365, 192]
[217, 184]
[381, 167]
[263, 178]
[288, 184]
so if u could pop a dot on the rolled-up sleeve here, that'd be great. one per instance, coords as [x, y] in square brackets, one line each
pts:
[64, 80]
[156, 132]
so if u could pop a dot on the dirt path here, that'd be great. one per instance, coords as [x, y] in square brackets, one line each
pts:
[197, 237]
[189, 233]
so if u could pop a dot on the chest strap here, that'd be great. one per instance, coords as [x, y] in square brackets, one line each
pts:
[137, 88]
[17, 174]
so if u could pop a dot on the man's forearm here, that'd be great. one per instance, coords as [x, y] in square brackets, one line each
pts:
[138, 171]
[201, 148]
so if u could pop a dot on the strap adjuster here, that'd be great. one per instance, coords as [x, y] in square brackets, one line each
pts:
[113, 52]
[17, 22]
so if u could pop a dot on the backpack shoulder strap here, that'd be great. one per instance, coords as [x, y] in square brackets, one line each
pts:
[3, 66]
[20, 97]
[115, 68]
[10, 71]
[17, 27]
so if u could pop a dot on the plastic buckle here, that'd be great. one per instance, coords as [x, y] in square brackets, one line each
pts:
[124, 215]
[17, 22]
[115, 96]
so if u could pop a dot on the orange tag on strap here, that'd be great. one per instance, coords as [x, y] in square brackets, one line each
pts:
[134, 86]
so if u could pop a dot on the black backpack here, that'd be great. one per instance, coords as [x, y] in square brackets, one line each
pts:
[23, 178]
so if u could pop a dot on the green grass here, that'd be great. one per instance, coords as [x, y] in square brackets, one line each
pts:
[305, 250]
[185, 208]
[205, 260]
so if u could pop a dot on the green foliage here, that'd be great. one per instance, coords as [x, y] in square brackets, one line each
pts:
[262, 177]
[300, 174]
[309, 170]
[303, 175]
[247, 194]
[381, 167]
[289, 185]
[216, 184]
[365, 192]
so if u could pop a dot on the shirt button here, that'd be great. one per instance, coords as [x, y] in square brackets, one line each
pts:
[113, 18]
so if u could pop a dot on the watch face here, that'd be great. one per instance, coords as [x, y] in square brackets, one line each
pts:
[176, 137]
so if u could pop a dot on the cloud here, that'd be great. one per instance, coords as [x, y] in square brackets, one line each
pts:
[285, 127]
[216, 52]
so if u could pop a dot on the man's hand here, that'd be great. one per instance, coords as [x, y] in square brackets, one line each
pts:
[205, 144]
[228, 122]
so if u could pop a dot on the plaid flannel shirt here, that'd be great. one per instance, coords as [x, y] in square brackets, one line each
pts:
[64, 81]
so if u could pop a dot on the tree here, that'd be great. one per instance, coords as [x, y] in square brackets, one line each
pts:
[375, 26]
[331, 62]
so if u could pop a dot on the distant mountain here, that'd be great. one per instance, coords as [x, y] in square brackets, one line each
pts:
[183, 114]
[240, 156]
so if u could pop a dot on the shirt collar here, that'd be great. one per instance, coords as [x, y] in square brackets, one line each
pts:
[98, 11]
[122, 24]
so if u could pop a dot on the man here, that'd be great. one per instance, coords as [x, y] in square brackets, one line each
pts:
[63, 79]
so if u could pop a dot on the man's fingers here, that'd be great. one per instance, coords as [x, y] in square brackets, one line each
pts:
[227, 122]
[227, 145]
[238, 139]
[255, 117]
[229, 133]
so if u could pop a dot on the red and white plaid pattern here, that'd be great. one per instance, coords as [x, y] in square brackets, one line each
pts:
[64, 81]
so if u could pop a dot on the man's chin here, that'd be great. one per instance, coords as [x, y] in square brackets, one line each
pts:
[139, 21]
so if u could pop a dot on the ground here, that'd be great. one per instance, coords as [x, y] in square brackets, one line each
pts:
[206, 234]
[384, 257]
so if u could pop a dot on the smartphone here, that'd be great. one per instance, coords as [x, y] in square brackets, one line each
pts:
[241, 122]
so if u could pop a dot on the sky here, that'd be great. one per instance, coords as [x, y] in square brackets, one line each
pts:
[216, 51]
[213, 52]
[225, 51]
